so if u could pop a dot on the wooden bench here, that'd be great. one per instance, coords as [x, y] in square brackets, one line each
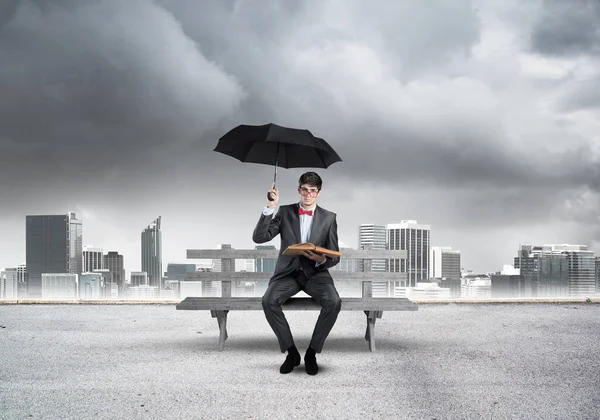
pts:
[219, 307]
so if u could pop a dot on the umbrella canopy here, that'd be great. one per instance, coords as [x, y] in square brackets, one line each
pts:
[271, 144]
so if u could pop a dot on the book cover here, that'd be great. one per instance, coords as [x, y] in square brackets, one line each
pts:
[307, 246]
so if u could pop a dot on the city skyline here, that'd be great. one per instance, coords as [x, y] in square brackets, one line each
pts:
[157, 222]
[477, 118]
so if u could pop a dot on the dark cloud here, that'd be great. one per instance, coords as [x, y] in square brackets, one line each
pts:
[568, 28]
[95, 86]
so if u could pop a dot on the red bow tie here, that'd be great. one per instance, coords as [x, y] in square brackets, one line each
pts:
[302, 211]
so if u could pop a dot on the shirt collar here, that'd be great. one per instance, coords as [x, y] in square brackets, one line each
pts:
[314, 208]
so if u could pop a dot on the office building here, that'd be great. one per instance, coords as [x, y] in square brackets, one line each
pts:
[53, 245]
[92, 259]
[371, 236]
[115, 264]
[415, 239]
[152, 253]
[557, 270]
[445, 268]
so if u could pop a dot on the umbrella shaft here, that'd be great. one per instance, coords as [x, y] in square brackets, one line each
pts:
[276, 161]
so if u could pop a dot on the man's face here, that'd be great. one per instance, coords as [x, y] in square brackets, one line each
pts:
[308, 194]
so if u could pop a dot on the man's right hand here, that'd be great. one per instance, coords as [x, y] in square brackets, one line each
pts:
[274, 196]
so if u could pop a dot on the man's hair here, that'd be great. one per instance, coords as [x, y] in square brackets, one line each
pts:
[311, 178]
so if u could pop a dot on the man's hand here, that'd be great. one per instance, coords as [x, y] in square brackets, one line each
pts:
[314, 256]
[274, 196]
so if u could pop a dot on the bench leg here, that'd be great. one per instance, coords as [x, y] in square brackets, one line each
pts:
[370, 333]
[222, 321]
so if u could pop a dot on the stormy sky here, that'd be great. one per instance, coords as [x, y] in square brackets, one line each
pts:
[479, 118]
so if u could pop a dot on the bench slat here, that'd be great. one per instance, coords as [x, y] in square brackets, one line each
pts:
[248, 303]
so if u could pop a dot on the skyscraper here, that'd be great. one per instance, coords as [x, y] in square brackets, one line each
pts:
[445, 263]
[372, 236]
[53, 245]
[152, 253]
[92, 259]
[414, 238]
[115, 264]
[557, 269]
[445, 268]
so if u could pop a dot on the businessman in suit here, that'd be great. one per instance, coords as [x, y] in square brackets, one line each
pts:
[296, 223]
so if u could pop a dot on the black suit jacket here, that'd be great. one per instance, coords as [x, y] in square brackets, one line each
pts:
[286, 222]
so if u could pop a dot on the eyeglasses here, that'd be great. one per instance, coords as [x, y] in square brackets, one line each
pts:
[306, 191]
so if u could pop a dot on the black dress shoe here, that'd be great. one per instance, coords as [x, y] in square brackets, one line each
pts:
[310, 364]
[291, 361]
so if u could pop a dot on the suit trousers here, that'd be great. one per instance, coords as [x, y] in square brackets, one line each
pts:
[324, 293]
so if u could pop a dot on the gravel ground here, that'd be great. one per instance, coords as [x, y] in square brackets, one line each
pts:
[470, 361]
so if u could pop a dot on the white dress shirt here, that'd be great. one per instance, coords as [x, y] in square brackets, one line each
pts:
[305, 225]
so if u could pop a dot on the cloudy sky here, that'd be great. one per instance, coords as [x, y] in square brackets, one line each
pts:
[479, 118]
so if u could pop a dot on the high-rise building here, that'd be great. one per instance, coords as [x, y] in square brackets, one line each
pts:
[115, 264]
[445, 268]
[445, 262]
[53, 245]
[152, 253]
[557, 270]
[415, 239]
[92, 259]
[371, 236]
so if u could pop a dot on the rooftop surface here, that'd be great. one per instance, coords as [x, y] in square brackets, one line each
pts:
[467, 361]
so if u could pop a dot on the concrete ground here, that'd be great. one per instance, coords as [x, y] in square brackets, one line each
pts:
[455, 361]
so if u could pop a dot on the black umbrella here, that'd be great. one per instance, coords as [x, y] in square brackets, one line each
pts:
[271, 144]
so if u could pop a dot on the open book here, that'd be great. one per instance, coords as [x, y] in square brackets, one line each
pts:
[307, 246]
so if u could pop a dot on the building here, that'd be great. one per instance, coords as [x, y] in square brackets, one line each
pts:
[557, 270]
[115, 264]
[144, 292]
[371, 236]
[598, 275]
[22, 281]
[91, 286]
[9, 284]
[509, 286]
[263, 265]
[53, 245]
[415, 239]
[139, 278]
[60, 286]
[92, 259]
[476, 285]
[179, 271]
[445, 268]
[152, 253]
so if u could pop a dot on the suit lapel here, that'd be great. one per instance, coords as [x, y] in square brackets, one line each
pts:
[317, 215]
[296, 223]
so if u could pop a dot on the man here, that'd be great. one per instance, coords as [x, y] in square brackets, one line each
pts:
[297, 223]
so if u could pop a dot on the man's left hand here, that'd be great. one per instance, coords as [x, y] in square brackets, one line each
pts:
[314, 256]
